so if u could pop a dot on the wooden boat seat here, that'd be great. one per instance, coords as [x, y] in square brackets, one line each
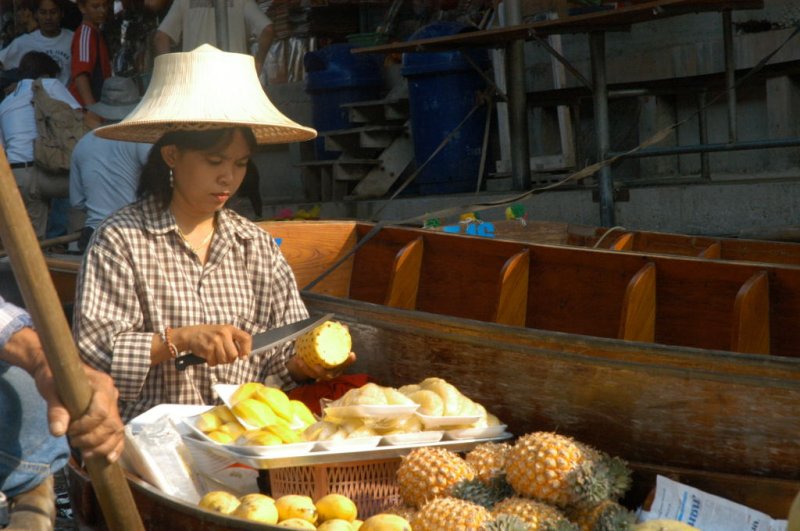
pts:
[638, 319]
[750, 331]
[624, 242]
[512, 297]
[404, 280]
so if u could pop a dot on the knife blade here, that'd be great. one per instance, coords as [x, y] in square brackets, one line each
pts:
[264, 340]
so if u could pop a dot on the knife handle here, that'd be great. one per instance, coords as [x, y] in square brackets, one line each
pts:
[182, 362]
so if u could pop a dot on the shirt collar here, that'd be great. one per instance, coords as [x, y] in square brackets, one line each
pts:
[230, 225]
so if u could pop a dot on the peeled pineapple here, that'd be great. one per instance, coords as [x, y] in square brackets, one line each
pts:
[327, 345]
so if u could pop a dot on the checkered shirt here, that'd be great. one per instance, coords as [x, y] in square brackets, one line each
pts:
[139, 276]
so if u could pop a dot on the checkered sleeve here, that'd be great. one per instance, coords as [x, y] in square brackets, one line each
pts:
[108, 319]
[286, 307]
[12, 320]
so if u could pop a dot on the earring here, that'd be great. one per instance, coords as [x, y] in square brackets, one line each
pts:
[171, 179]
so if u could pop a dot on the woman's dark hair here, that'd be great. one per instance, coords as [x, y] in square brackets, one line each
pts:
[34, 65]
[155, 174]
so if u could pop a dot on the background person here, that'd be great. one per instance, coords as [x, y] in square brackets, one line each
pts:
[192, 23]
[90, 63]
[177, 271]
[50, 38]
[18, 132]
[104, 174]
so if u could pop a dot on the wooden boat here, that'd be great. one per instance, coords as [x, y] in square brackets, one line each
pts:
[726, 423]
[647, 242]
[421, 303]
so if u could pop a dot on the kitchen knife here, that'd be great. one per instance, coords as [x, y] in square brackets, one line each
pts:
[264, 340]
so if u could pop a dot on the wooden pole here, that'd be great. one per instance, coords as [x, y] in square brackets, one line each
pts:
[41, 300]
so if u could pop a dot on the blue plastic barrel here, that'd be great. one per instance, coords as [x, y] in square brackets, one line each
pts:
[442, 89]
[334, 77]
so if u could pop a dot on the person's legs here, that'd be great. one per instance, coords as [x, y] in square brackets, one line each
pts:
[29, 455]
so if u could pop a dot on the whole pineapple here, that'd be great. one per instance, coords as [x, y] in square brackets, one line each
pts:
[450, 514]
[605, 516]
[427, 473]
[540, 516]
[488, 460]
[556, 469]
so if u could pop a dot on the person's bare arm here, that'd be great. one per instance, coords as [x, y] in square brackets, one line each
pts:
[84, 88]
[99, 431]
[162, 43]
[264, 43]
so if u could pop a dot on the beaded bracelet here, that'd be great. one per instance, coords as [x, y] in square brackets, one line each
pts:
[165, 337]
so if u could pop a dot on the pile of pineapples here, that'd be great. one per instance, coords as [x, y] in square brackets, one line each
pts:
[545, 481]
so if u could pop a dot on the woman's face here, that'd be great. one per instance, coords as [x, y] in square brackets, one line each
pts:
[205, 180]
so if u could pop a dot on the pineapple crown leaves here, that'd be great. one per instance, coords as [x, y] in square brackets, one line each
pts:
[591, 481]
[615, 518]
[506, 522]
[483, 494]
[562, 524]
[619, 476]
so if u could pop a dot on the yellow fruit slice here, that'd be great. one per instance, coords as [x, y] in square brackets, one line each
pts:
[220, 437]
[208, 422]
[255, 412]
[301, 411]
[234, 429]
[327, 345]
[277, 400]
[285, 433]
[259, 438]
[244, 391]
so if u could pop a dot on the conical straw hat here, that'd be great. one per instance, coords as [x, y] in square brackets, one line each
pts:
[205, 89]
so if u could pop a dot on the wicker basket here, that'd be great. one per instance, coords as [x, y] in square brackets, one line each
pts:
[372, 485]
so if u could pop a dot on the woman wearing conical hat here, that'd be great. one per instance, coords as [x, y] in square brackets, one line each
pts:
[176, 271]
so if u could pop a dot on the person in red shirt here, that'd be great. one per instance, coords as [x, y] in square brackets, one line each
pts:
[90, 61]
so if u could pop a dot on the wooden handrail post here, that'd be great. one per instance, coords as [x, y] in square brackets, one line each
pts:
[41, 300]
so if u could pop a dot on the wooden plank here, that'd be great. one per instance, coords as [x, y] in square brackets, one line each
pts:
[750, 331]
[512, 301]
[638, 321]
[311, 251]
[404, 282]
[617, 19]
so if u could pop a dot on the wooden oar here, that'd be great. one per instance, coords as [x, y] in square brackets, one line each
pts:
[51, 242]
[43, 304]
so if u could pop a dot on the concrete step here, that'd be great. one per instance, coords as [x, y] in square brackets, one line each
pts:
[349, 141]
[377, 111]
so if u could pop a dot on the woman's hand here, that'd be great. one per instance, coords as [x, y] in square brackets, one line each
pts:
[301, 371]
[218, 344]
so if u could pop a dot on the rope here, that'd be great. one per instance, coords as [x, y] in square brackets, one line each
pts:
[605, 234]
